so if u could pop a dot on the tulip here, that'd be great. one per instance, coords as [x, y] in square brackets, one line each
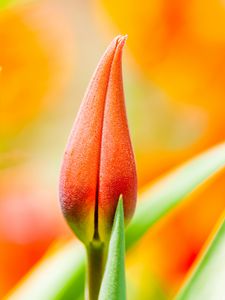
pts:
[98, 164]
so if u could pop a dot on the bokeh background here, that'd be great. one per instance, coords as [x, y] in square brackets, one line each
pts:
[174, 79]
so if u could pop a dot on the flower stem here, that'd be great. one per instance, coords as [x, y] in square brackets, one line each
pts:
[96, 262]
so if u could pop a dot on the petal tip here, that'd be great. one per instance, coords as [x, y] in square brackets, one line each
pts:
[121, 40]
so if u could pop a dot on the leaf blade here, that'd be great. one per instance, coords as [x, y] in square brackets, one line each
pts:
[55, 277]
[168, 192]
[206, 281]
[113, 284]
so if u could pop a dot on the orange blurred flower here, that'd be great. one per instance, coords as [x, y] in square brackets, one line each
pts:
[36, 62]
[29, 222]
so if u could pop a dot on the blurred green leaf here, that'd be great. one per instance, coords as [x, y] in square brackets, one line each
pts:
[168, 192]
[155, 203]
[58, 276]
[113, 284]
[207, 279]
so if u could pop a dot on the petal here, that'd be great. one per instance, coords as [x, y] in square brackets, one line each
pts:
[80, 169]
[117, 166]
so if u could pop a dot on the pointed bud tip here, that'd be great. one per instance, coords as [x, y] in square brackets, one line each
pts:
[121, 40]
[98, 164]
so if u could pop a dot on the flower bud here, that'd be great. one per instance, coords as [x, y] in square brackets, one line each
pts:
[99, 164]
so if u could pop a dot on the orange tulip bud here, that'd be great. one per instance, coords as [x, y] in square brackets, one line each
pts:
[99, 164]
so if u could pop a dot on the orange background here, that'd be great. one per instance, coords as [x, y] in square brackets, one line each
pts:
[174, 78]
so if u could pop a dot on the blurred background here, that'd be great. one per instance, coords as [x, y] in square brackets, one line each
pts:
[174, 80]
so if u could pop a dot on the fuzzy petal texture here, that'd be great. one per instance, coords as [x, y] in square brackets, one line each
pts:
[98, 163]
[117, 166]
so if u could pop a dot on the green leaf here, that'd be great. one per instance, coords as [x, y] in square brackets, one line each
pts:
[207, 279]
[155, 203]
[58, 276]
[168, 192]
[113, 284]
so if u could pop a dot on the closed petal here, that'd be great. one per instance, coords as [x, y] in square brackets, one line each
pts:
[117, 174]
[80, 169]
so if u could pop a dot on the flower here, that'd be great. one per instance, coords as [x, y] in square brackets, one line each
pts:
[99, 164]
[33, 75]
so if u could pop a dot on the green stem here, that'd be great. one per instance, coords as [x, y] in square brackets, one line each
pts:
[96, 262]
